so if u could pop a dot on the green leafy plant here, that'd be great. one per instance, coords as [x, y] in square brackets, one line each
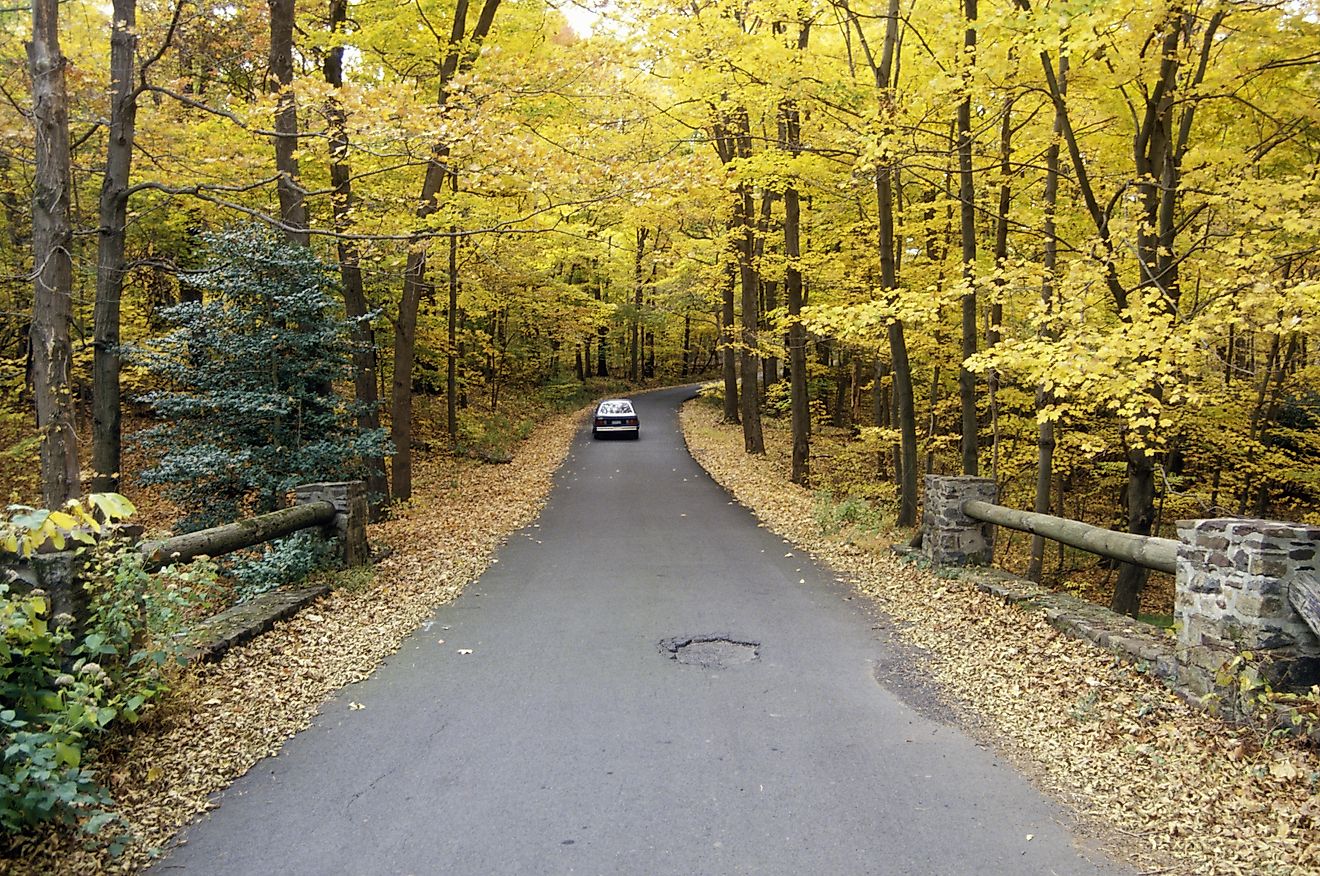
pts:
[852, 511]
[251, 411]
[65, 681]
[24, 529]
[283, 561]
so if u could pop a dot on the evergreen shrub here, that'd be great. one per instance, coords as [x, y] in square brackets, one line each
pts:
[247, 403]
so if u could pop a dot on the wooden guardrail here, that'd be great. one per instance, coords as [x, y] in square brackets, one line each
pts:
[235, 536]
[1149, 551]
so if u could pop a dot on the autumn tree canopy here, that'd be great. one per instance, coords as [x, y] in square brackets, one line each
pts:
[1072, 246]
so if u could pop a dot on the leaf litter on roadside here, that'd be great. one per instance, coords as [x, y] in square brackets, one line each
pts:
[1168, 785]
[224, 717]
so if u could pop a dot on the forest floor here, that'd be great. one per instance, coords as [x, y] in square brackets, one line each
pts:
[221, 718]
[1188, 792]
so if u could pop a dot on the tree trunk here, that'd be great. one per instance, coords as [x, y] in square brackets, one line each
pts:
[770, 370]
[993, 331]
[635, 334]
[350, 269]
[451, 337]
[293, 210]
[902, 369]
[749, 358]
[405, 335]
[1140, 517]
[236, 536]
[967, 205]
[462, 52]
[52, 242]
[687, 341]
[110, 249]
[1045, 440]
[728, 349]
[799, 411]
[1155, 553]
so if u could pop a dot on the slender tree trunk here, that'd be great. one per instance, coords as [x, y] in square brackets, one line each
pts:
[899, 364]
[767, 300]
[405, 335]
[749, 283]
[635, 335]
[462, 52]
[451, 336]
[687, 341]
[110, 249]
[350, 269]
[967, 204]
[797, 333]
[293, 210]
[992, 335]
[52, 241]
[749, 358]
[1045, 440]
[770, 370]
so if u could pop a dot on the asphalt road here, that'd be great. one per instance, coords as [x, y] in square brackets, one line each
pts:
[570, 739]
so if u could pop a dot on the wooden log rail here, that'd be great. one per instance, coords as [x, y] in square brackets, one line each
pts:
[235, 536]
[1149, 551]
[1304, 594]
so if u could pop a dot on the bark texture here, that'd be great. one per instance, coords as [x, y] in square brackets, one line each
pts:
[113, 208]
[52, 262]
[350, 266]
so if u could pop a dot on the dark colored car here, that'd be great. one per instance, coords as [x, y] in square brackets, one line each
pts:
[616, 416]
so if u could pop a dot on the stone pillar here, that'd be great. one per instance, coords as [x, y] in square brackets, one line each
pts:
[951, 538]
[1232, 596]
[350, 523]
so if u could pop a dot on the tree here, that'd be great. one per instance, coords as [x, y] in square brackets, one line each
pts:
[247, 417]
[460, 53]
[350, 260]
[110, 252]
[293, 207]
[52, 258]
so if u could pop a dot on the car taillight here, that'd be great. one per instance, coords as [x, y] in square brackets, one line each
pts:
[600, 421]
[631, 421]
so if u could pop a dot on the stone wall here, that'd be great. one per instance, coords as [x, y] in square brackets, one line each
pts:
[1233, 579]
[1232, 597]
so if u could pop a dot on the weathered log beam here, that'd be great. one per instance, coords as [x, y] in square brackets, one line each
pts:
[1304, 594]
[235, 536]
[1153, 553]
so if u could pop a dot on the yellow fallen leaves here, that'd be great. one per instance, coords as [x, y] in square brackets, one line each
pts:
[1167, 785]
[228, 715]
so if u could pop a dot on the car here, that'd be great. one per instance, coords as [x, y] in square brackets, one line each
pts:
[615, 416]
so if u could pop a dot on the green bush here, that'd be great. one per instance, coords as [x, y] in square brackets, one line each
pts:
[63, 685]
[250, 411]
[491, 436]
[283, 561]
[854, 511]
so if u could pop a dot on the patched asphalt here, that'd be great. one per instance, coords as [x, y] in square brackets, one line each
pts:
[646, 682]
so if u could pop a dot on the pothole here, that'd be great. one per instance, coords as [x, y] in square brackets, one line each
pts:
[710, 652]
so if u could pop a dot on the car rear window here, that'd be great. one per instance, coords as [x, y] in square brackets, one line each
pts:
[616, 408]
